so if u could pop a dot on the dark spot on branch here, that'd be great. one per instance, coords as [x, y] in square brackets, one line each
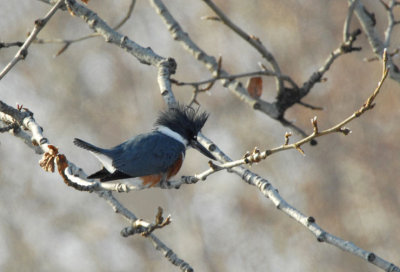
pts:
[321, 238]
[313, 142]
[23, 53]
[371, 257]
[39, 22]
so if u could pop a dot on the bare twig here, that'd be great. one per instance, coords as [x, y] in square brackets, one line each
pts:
[256, 156]
[11, 44]
[68, 42]
[229, 77]
[23, 51]
[252, 40]
[347, 22]
[127, 16]
[166, 66]
[344, 47]
[157, 243]
[268, 190]
[145, 228]
[310, 106]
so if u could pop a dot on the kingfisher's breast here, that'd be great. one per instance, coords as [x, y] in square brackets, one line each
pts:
[152, 180]
[174, 169]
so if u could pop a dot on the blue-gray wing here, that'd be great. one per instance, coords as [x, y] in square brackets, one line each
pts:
[146, 154]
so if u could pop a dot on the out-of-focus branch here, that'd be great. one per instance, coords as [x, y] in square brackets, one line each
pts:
[68, 42]
[345, 47]
[10, 44]
[166, 66]
[368, 23]
[347, 22]
[231, 77]
[391, 20]
[252, 40]
[144, 55]
[23, 51]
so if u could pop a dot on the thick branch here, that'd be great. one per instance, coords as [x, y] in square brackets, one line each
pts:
[377, 44]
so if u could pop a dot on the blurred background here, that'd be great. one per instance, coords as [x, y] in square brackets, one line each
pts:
[100, 93]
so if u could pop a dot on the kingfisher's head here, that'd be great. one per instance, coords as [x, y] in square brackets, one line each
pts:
[187, 123]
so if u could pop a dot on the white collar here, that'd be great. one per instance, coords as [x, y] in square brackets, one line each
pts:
[167, 131]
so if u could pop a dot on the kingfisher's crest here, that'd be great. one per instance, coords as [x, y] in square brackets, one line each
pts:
[183, 120]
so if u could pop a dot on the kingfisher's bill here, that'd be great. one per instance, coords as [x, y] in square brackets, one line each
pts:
[150, 158]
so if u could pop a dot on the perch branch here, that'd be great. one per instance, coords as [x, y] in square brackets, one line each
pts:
[75, 177]
[251, 178]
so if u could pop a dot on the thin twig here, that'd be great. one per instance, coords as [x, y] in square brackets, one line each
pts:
[256, 156]
[252, 40]
[229, 77]
[347, 22]
[11, 44]
[23, 51]
[68, 42]
[344, 48]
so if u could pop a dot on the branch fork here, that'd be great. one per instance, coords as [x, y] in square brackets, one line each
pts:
[144, 228]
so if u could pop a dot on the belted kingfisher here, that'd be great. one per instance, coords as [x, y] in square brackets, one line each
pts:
[152, 157]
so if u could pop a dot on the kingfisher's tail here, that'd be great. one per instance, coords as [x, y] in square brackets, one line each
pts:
[87, 146]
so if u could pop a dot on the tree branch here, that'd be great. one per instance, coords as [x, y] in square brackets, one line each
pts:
[23, 51]
[252, 40]
[68, 42]
[377, 45]
[270, 192]
[71, 176]
[256, 155]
